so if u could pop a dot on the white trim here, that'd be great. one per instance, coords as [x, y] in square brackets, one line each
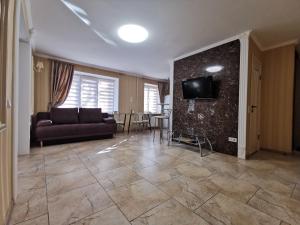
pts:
[290, 42]
[28, 20]
[95, 75]
[42, 55]
[171, 89]
[256, 41]
[282, 44]
[20, 5]
[243, 95]
[243, 86]
[15, 109]
[237, 37]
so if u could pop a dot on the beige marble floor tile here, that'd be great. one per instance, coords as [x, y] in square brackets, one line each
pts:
[193, 171]
[284, 223]
[64, 167]
[158, 175]
[137, 198]
[31, 183]
[278, 206]
[230, 168]
[54, 149]
[100, 165]
[290, 175]
[175, 151]
[232, 187]
[117, 177]
[42, 220]
[188, 192]
[60, 157]
[77, 204]
[191, 180]
[191, 156]
[62, 183]
[268, 182]
[258, 164]
[35, 169]
[36, 151]
[166, 160]
[296, 192]
[94, 154]
[222, 157]
[30, 160]
[169, 213]
[109, 216]
[222, 210]
[32, 165]
[30, 204]
[141, 163]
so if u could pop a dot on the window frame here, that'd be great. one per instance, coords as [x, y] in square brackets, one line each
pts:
[98, 78]
[158, 98]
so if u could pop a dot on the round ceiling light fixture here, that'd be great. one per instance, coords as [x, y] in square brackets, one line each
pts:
[214, 69]
[133, 33]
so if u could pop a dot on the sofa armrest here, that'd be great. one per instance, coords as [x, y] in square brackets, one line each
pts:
[109, 120]
[33, 127]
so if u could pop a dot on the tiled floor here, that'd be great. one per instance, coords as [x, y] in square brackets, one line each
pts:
[131, 180]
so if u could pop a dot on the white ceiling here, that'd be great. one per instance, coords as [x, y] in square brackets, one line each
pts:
[175, 27]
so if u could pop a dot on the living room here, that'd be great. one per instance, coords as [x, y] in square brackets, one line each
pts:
[148, 112]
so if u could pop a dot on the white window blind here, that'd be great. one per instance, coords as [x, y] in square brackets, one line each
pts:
[151, 98]
[93, 91]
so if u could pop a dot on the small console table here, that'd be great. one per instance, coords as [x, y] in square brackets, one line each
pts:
[190, 139]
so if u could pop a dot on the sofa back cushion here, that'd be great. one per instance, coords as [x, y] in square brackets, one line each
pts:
[90, 115]
[43, 116]
[64, 115]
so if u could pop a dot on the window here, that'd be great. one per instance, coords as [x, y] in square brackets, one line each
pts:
[151, 98]
[93, 91]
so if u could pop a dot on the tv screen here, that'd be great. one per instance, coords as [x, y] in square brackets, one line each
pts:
[198, 88]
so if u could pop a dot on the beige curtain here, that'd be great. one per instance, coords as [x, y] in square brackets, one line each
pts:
[163, 88]
[61, 80]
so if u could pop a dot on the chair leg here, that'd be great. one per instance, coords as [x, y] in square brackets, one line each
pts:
[41, 144]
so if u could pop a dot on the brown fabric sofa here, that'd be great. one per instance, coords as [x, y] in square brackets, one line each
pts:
[71, 123]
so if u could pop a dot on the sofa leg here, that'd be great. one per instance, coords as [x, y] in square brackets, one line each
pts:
[41, 144]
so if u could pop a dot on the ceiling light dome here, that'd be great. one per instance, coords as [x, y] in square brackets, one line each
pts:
[133, 33]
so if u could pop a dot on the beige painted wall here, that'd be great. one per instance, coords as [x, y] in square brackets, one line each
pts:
[277, 99]
[6, 134]
[131, 88]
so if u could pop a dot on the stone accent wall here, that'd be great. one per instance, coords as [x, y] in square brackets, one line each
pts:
[218, 118]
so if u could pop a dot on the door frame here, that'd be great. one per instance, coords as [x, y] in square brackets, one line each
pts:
[256, 64]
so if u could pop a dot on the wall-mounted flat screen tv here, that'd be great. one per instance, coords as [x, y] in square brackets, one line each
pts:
[198, 88]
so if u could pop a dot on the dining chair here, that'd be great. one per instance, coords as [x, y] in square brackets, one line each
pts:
[120, 119]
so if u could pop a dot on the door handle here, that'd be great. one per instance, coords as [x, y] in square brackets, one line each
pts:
[253, 107]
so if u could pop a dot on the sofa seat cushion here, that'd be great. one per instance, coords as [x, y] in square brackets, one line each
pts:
[90, 115]
[65, 131]
[64, 115]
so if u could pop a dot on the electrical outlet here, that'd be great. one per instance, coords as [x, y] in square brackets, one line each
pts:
[231, 139]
